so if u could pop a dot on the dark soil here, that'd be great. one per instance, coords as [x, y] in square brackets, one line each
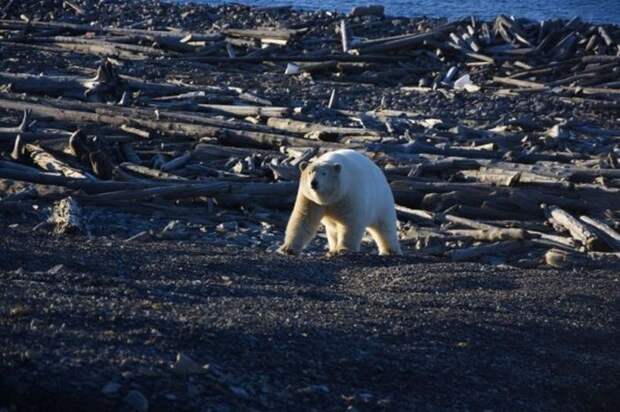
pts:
[307, 333]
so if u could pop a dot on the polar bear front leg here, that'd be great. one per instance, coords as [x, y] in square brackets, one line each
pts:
[331, 229]
[302, 225]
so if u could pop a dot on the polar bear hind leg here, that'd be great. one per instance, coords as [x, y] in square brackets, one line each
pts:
[385, 235]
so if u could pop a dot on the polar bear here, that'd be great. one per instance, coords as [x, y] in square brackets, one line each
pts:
[346, 192]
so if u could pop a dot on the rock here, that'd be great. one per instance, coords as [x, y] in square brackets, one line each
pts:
[556, 132]
[194, 390]
[56, 269]
[313, 390]
[185, 365]
[231, 226]
[240, 392]
[19, 310]
[111, 388]
[19, 271]
[136, 401]
[371, 10]
[174, 230]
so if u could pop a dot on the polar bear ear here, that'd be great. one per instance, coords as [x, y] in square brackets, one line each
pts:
[303, 165]
[337, 167]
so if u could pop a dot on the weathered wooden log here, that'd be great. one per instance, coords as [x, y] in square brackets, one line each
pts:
[248, 191]
[67, 217]
[611, 237]
[88, 28]
[177, 191]
[208, 152]
[267, 140]
[87, 185]
[442, 201]
[147, 172]
[100, 48]
[76, 86]
[296, 58]
[519, 83]
[297, 126]
[267, 34]
[177, 162]
[119, 117]
[559, 258]
[51, 163]
[344, 36]
[8, 138]
[245, 110]
[415, 214]
[507, 178]
[21, 127]
[491, 235]
[487, 212]
[577, 230]
[418, 147]
[467, 222]
[404, 41]
[493, 249]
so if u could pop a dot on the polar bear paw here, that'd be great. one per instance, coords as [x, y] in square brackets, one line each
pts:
[287, 250]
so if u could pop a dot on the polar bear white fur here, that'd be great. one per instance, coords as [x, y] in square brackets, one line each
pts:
[346, 192]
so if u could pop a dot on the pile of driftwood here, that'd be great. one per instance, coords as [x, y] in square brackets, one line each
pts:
[511, 191]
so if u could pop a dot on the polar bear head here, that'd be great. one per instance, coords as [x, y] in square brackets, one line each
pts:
[321, 182]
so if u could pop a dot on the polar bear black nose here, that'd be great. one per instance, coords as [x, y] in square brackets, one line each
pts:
[314, 184]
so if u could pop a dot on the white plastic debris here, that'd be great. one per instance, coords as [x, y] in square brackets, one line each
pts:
[464, 83]
[291, 69]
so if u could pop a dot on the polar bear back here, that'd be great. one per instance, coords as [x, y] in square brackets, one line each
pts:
[364, 185]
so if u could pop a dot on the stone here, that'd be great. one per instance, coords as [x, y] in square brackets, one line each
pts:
[56, 269]
[136, 401]
[184, 365]
[371, 10]
[111, 388]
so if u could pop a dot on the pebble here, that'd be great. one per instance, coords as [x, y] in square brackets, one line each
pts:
[136, 401]
[240, 392]
[174, 230]
[313, 389]
[111, 388]
[185, 365]
[194, 390]
[371, 10]
[231, 226]
[54, 270]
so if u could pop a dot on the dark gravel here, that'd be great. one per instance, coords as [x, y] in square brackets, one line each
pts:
[308, 333]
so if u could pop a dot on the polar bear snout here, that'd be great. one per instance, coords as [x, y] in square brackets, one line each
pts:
[314, 184]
